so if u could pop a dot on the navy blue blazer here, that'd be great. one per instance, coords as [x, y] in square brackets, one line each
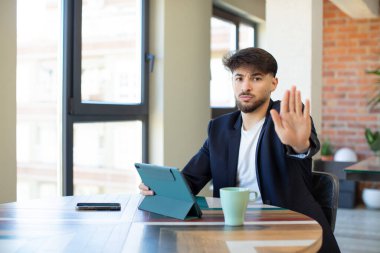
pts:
[284, 181]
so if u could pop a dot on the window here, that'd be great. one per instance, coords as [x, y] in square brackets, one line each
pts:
[104, 154]
[229, 32]
[81, 96]
[106, 111]
[223, 40]
[111, 46]
[38, 88]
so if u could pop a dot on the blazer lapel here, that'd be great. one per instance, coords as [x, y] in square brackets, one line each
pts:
[258, 154]
[233, 151]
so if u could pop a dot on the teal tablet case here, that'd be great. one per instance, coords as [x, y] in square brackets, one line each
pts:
[173, 197]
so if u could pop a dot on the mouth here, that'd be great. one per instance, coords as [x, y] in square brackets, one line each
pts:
[245, 97]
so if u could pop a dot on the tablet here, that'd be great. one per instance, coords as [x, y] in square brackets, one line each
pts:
[172, 197]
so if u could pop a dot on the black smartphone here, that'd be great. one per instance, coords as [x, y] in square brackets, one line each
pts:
[98, 206]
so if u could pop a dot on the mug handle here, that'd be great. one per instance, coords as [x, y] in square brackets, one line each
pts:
[256, 195]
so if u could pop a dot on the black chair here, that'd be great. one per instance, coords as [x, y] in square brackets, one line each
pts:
[347, 188]
[326, 192]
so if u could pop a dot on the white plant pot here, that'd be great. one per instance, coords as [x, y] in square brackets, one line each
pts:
[371, 198]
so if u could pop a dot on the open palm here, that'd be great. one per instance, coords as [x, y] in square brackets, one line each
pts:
[292, 125]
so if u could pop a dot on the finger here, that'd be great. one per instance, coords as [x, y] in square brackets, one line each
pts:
[144, 190]
[143, 187]
[306, 111]
[292, 99]
[285, 103]
[298, 103]
[147, 193]
[276, 120]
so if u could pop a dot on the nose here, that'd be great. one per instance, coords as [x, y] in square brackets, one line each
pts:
[246, 84]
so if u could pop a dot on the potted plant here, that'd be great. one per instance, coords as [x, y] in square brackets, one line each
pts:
[327, 151]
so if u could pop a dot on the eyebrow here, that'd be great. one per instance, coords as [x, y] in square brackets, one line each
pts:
[254, 74]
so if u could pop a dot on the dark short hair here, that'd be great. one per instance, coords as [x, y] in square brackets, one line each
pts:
[254, 57]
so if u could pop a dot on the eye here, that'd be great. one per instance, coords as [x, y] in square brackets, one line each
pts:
[257, 79]
[238, 79]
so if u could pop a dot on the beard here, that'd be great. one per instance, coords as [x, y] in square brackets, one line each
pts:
[247, 108]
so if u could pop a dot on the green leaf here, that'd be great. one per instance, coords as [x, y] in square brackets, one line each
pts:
[369, 136]
[376, 72]
[327, 148]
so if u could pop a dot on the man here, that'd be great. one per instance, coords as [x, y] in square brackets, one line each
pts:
[266, 146]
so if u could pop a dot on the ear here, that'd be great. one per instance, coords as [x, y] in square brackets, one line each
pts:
[274, 83]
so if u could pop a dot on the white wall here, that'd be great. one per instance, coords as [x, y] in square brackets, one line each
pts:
[8, 101]
[294, 37]
[179, 86]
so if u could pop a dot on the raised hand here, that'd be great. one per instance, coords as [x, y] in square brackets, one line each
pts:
[292, 125]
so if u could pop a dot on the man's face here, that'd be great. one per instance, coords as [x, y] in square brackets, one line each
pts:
[252, 88]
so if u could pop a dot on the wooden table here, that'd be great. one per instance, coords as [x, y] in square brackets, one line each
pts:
[366, 170]
[55, 226]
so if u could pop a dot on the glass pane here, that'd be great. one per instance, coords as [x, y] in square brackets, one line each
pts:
[223, 40]
[38, 88]
[111, 51]
[104, 157]
[246, 36]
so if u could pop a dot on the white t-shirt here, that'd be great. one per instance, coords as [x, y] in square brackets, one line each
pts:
[246, 172]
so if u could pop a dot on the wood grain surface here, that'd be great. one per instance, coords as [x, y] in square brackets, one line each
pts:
[55, 226]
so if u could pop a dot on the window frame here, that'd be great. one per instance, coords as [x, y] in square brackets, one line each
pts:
[236, 19]
[74, 110]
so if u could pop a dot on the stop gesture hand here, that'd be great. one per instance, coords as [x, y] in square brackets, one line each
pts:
[292, 125]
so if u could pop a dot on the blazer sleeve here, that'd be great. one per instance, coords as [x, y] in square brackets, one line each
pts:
[314, 142]
[197, 172]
